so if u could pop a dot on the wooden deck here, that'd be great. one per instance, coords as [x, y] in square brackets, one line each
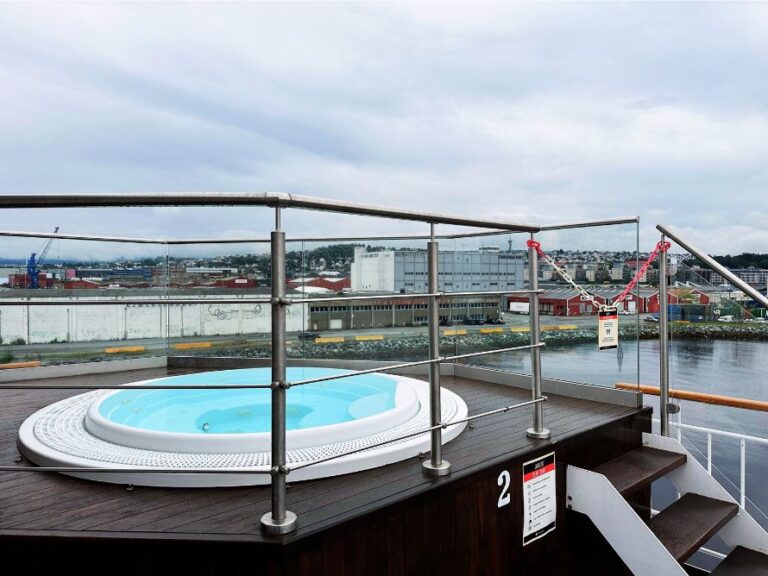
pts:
[50, 505]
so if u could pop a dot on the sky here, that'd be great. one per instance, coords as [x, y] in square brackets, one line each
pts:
[539, 113]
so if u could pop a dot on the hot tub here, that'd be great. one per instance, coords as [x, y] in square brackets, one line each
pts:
[230, 428]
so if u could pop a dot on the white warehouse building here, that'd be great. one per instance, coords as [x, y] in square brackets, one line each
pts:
[487, 269]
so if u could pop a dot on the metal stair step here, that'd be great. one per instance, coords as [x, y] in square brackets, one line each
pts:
[685, 525]
[637, 469]
[743, 562]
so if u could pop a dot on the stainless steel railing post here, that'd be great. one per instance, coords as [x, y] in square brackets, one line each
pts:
[435, 466]
[663, 342]
[279, 520]
[538, 430]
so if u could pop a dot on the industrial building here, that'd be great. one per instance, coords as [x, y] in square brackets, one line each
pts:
[116, 274]
[381, 313]
[757, 277]
[568, 302]
[487, 269]
[25, 280]
[320, 284]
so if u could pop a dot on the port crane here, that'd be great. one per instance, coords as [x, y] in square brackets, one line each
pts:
[34, 263]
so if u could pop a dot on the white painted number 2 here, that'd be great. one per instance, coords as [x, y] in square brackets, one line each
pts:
[503, 481]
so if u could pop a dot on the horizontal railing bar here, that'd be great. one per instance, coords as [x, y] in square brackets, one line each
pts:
[370, 447]
[591, 223]
[263, 386]
[497, 411]
[412, 434]
[126, 387]
[183, 241]
[246, 240]
[489, 352]
[134, 301]
[399, 296]
[412, 364]
[245, 300]
[492, 293]
[715, 265]
[701, 397]
[716, 432]
[130, 470]
[368, 371]
[64, 236]
[272, 199]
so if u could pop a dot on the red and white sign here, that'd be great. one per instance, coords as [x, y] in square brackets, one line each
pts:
[608, 330]
[539, 498]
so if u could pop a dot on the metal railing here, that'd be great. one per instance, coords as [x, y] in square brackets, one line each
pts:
[714, 264]
[280, 520]
[708, 457]
[666, 232]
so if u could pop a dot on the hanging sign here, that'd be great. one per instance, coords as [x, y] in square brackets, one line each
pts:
[539, 498]
[608, 330]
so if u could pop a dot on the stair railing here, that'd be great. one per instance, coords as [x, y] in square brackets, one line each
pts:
[664, 405]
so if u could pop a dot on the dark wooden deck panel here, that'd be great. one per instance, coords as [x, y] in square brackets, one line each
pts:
[35, 504]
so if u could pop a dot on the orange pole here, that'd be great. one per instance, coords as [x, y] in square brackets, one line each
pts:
[715, 399]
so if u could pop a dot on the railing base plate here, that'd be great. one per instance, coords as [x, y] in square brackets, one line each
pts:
[542, 434]
[268, 526]
[442, 469]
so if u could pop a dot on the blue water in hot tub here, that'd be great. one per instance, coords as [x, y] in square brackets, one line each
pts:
[240, 411]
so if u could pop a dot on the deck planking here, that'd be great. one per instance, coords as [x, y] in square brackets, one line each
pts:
[36, 504]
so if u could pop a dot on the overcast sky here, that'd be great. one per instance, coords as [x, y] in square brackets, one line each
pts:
[526, 112]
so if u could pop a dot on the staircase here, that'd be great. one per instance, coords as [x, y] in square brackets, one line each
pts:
[659, 547]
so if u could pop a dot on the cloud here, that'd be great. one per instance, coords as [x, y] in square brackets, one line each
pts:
[526, 112]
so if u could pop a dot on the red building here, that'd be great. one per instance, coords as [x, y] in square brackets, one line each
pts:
[332, 284]
[678, 296]
[23, 280]
[562, 302]
[238, 283]
[568, 302]
[81, 285]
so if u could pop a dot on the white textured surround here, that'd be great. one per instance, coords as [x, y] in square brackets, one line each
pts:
[57, 436]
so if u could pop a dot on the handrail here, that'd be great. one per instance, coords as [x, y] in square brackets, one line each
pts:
[442, 426]
[271, 199]
[590, 224]
[197, 299]
[308, 239]
[285, 384]
[715, 265]
[702, 397]
[250, 240]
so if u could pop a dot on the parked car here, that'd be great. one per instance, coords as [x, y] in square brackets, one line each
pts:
[650, 319]
[308, 335]
[727, 318]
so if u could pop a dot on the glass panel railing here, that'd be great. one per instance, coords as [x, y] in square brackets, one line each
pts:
[717, 348]
[384, 321]
[53, 328]
[214, 277]
[602, 260]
